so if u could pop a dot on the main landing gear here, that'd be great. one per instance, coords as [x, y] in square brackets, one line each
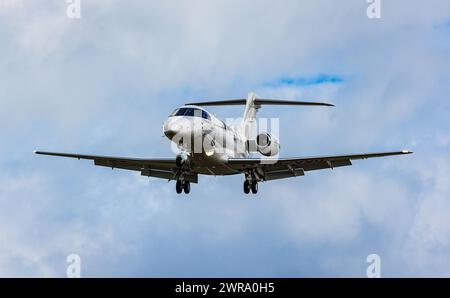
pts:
[183, 186]
[250, 186]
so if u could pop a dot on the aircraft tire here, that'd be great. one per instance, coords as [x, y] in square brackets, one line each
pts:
[246, 187]
[179, 187]
[187, 187]
[255, 187]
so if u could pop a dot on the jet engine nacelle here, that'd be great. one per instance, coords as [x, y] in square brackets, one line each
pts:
[267, 145]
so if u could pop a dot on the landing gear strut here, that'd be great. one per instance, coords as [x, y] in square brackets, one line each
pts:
[183, 185]
[250, 185]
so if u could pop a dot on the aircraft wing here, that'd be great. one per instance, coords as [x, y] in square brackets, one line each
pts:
[160, 168]
[273, 168]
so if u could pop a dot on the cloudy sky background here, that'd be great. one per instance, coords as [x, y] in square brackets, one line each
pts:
[105, 83]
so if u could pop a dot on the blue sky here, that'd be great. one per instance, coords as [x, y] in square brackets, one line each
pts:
[105, 83]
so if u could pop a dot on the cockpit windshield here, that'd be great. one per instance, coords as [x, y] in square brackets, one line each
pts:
[191, 112]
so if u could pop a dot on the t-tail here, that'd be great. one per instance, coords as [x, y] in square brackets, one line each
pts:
[252, 104]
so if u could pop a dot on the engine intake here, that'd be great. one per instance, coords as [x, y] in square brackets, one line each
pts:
[267, 145]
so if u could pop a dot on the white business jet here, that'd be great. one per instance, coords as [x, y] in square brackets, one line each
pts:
[208, 146]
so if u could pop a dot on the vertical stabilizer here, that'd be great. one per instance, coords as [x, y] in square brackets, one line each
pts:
[249, 119]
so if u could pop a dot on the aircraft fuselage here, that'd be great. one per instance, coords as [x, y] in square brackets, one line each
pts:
[206, 142]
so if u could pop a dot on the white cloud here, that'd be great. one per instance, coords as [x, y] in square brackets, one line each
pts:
[104, 84]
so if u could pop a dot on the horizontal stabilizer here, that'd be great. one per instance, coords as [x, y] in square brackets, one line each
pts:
[259, 102]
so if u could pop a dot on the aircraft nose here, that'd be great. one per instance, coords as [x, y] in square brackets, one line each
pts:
[169, 133]
[173, 127]
[170, 130]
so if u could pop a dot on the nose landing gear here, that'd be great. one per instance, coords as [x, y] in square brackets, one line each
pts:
[183, 185]
[250, 185]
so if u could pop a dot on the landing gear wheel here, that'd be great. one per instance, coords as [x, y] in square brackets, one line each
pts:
[255, 187]
[246, 187]
[179, 187]
[187, 187]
